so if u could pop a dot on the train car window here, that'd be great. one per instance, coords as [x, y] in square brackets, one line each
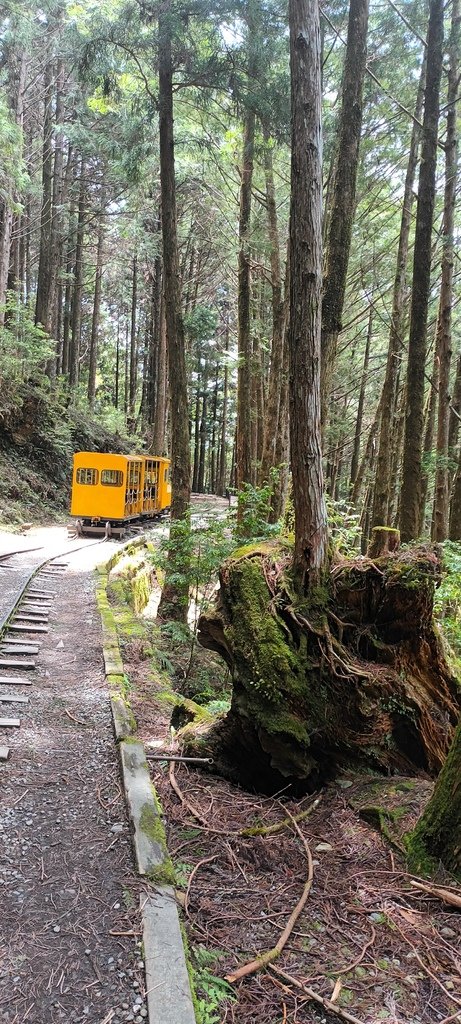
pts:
[111, 477]
[167, 474]
[87, 476]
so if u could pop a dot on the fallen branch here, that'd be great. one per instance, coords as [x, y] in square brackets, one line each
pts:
[316, 997]
[206, 860]
[446, 895]
[272, 954]
[179, 793]
[280, 825]
[72, 717]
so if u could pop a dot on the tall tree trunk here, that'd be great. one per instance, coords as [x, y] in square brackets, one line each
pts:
[77, 295]
[361, 401]
[17, 73]
[428, 441]
[455, 413]
[203, 432]
[243, 455]
[444, 333]
[383, 481]
[158, 431]
[411, 475]
[311, 532]
[70, 253]
[343, 203]
[96, 306]
[43, 306]
[55, 255]
[275, 371]
[133, 341]
[175, 595]
[221, 483]
[367, 457]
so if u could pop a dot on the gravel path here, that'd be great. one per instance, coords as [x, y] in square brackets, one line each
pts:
[70, 929]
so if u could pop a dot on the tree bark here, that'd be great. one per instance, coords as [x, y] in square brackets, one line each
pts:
[133, 341]
[396, 335]
[175, 595]
[276, 363]
[438, 832]
[343, 204]
[76, 318]
[361, 401]
[412, 468]
[440, 523]
[96, 306]
[311, 532]
[43, 306]
[243, 454]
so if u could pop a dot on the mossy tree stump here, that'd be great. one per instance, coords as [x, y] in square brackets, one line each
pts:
[355, 675]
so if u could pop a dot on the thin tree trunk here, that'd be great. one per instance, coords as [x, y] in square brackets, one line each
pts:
[444, 333]
[428, 441]
[311, 532]
[383, 480]
[411, 476]
[361, 401]
[43, 306]
[243, 455]
[74, 354]
[221, 484]
[175, 595]
[344, 191]
[275, 372]
[133, 341]
[96, 306]
[158, 433]
[367, 457]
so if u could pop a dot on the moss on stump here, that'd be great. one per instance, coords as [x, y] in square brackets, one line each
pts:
[355, 676]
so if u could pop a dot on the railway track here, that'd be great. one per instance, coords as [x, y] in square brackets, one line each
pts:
[25, 605]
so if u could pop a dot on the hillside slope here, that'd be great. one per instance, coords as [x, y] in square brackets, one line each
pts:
[38, 436]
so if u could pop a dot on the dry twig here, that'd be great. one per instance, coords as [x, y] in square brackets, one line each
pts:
[272, 954]
[316, 997]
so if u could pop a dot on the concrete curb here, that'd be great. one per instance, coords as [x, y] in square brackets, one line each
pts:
[168, 992]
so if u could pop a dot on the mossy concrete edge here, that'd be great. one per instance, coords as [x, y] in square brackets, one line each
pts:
[169, 995]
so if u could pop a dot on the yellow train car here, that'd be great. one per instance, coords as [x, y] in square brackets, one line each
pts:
[111, 491]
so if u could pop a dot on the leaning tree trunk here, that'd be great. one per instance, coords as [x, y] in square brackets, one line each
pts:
[303, 337]
[174, 601]
[412, 454]
[341, 217]
[437, 836]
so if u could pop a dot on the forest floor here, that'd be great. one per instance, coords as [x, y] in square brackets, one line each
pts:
[383, 949]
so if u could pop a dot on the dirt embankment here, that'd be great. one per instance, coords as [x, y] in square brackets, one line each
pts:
[38, 436]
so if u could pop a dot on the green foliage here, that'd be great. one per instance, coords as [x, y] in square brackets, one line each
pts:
[211, 991]
[447, 600]
[24, 347]
[254, 505]
[344, 523]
